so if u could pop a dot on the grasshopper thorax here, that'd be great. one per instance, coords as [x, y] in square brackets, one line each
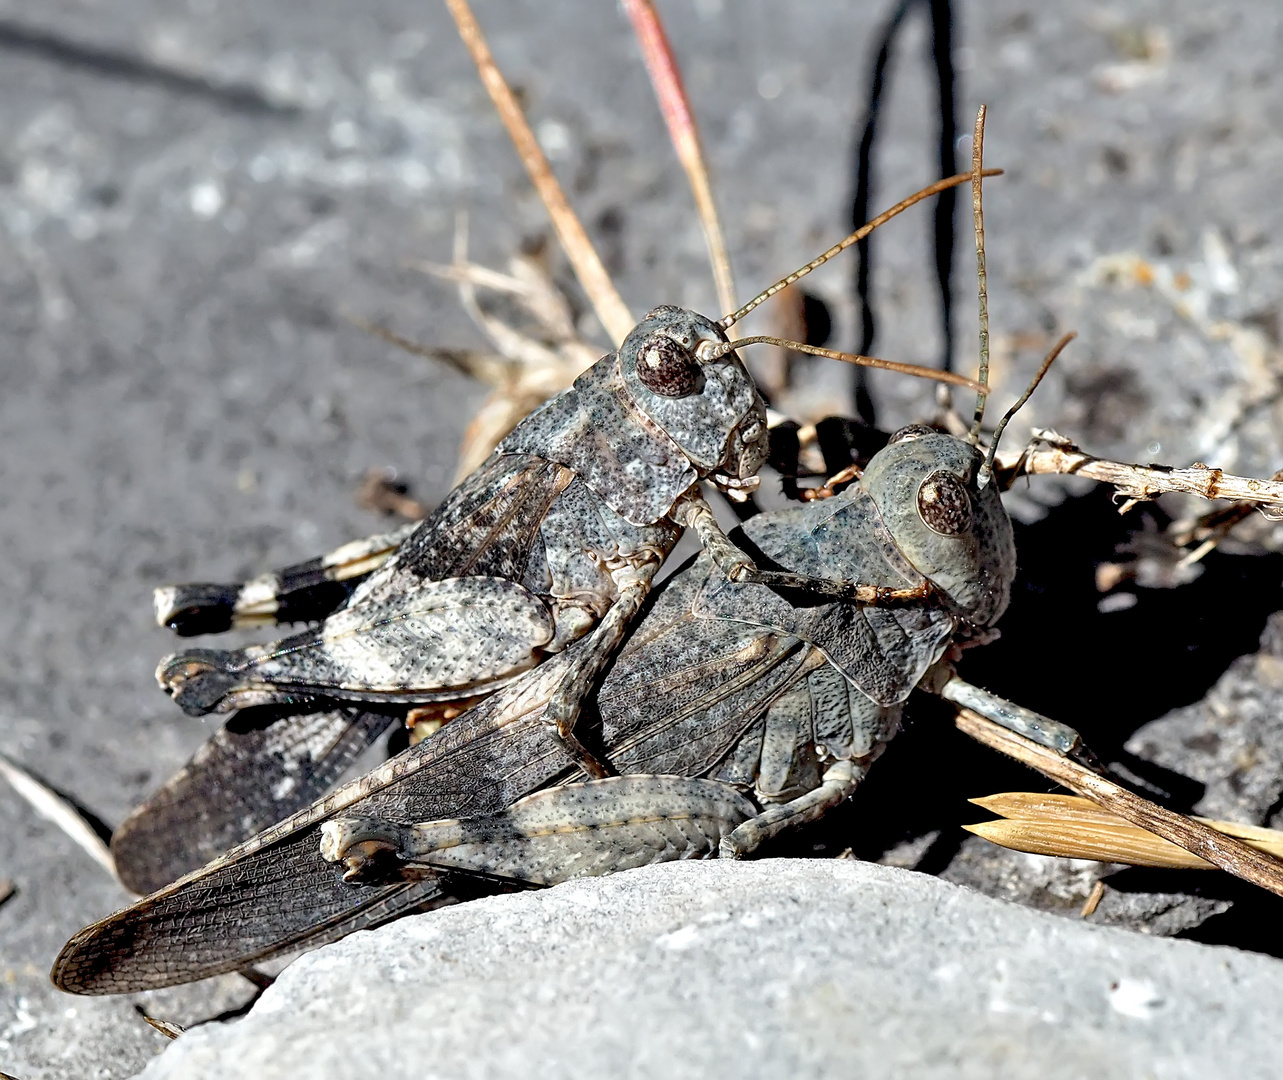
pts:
[710, 409]
[953, 530]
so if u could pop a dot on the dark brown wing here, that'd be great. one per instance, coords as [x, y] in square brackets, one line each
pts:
[274, 894]
[676, 702]
[486, 525]
[260, 768]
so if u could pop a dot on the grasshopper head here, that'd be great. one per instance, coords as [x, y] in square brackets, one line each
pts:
[710, 409]
[957, 533]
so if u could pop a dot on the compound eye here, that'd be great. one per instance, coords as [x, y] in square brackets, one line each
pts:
[665, 368]
[943, 504]
[909, 433]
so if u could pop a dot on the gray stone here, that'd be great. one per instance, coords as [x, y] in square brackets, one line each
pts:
[767, 969]
[1231, 740]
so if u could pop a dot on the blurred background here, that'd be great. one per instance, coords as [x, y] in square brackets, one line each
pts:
[194, 196]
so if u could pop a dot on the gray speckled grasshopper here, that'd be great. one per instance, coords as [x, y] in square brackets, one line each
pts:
[734, 711]
[553, 540]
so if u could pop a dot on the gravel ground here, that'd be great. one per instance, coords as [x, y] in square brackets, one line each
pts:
[193, 197]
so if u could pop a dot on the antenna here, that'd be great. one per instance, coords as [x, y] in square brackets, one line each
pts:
[982, 277]
[986, 469]
[727, 321]
[707, 353]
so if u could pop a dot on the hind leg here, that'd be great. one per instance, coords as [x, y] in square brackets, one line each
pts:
[579, 830]
[305, 592]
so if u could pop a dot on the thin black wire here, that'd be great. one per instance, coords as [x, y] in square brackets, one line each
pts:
[940, 13]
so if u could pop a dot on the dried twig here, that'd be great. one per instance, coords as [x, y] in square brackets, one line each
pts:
[1230, 854]
[167, 1028]
[601, 292]
[1093, 899]
[1139, 483]
[666, 78]
[53, 807]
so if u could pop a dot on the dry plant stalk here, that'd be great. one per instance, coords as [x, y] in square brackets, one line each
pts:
[674, 104]
[1093, 900]
[1071, 827]
[53, 807]
[165, 1027]
[1226, 852]
[602, 294]
[1140, 482]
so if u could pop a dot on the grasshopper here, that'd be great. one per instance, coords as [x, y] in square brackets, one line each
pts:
[732, 713]
[555, 538]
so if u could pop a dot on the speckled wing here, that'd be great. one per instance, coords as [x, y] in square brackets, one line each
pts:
[275, 894]
[882, 650]
[485, 526]
[258, 769]
[597, 430]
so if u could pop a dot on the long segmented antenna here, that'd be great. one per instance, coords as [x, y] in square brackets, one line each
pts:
[986, 470]
[674, 104]
[708, 352]
[601, 291]
[982, 278]
[727, 321]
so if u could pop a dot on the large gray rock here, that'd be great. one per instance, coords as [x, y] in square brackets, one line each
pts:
[767, 969]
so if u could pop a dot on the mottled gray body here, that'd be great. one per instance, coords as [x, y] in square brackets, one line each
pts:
[725, 726]
[556, 537]
[572, 512]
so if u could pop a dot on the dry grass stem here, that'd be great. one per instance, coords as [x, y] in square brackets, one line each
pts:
[165, 1027]
[1077, 828]
[674, 104]
[53, 807]
[601, 291]
[1093, 900]
[1140, 483]
[1230, 854]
